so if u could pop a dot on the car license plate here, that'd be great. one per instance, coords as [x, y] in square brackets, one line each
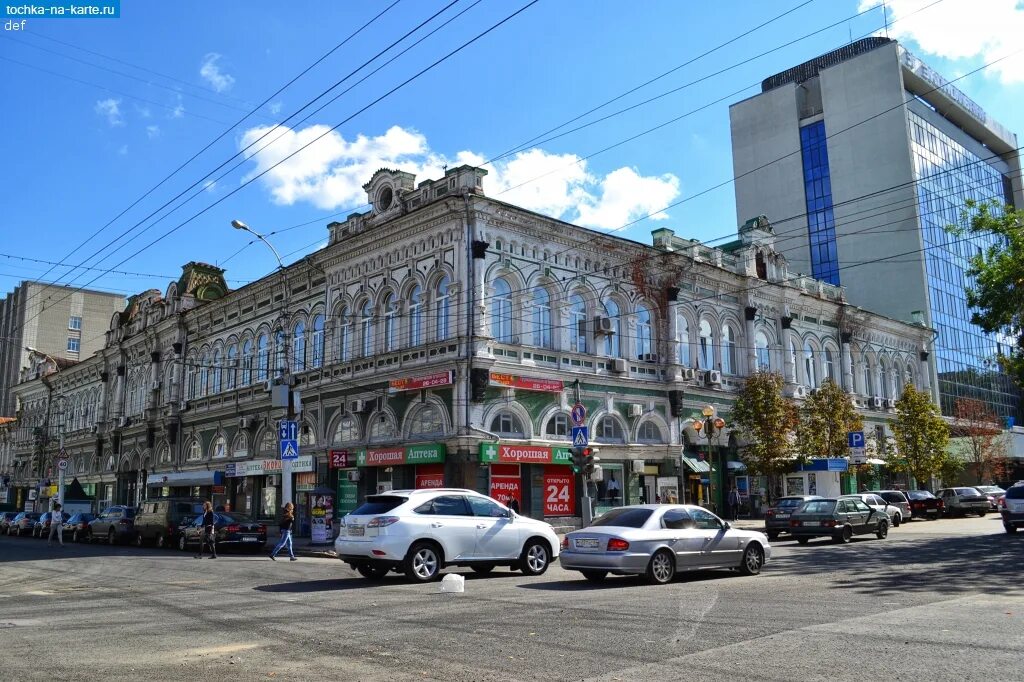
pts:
[356, 530]
[782, 515]
[812, 523]
[587, 543]
[250, 538]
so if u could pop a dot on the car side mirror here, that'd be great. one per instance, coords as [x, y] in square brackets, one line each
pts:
[726, 525]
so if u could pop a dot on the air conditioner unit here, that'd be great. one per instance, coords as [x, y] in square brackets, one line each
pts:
[649, 357]
[876, 403]
[354, 475]
[619, 365]
[245, 422]
[689, 373]
[638, 466]
[714, 377]
[355, 406]
[603, 325]
[890, 403]
[799, 391]
[636, 410]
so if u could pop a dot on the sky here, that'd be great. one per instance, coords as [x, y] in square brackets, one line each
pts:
[131, 143]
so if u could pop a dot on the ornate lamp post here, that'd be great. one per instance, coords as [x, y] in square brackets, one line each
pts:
[709, 427]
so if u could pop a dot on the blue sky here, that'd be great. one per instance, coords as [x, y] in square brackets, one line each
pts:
[97, 112]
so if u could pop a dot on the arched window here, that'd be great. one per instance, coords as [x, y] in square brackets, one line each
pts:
[344, 335]
[557, 427]
[381, 428]
[232, 366]
[307, 436]
[194, 452]
[347, 430]
[165, 454]
[501, 312]
[578, 323]
[299, 348]
[683, 332]
[390, 323]
[830, 365]
[427, 422]
[240, 444]
[883, 379]
[897, 381]
[728, 350]
[650, 432]
[217, 372]
[366, 330]
[644, 334]
[541, 318]
[612, 341]
[764, 357]
[193, 378]
[268, 444]
[869, 384]
[609, 430]
[262, 358]
[280, 351]
[219, 447]
[415, 316]
[809, 376]
[706, 346]
[441, 308]
[318, 341]
[204, 374]
[508, 424]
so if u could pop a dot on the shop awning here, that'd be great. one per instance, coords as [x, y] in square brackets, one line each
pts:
[698, 465]
[185, 478]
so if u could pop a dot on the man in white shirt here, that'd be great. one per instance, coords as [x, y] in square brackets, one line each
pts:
[56, 524]
[613, 489]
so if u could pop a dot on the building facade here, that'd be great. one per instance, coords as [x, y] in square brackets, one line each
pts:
[861, 157]
[54, 320]
[442, 339]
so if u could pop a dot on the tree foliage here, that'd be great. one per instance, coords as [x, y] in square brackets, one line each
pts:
[825, 419]
[979, 435]
[920, 435]
[998, 274]
[766, 422]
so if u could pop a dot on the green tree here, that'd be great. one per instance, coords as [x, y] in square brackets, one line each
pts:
[825, 419]
[998, 274]
[920, 436]
[766, 422]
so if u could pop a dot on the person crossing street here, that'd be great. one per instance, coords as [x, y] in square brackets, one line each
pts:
[56, 524]
[286, 533]
[209, 533]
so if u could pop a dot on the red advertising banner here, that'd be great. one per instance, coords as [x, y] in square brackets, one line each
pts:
[559, 492]
[527, 383]
[385, 456]
[341, 459]
[528, 454]
[418, 383]
[506, 484]
[430, 476]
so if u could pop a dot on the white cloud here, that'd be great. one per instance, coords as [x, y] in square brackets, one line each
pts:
[211, 73]
[275, 108]
[330, 173]
[110, 109]
[179, 109]
[962, 29]
[153, 131]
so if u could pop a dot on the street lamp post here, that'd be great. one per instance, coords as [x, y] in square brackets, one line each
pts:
[709, 427]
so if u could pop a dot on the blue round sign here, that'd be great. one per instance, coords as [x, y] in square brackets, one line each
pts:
[579, 414]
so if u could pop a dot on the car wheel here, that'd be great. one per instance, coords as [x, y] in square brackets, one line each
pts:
[897, 520]
[753, 559]
[883, 530]
[803, 541]
[535, 557]
[595, 576]
[661, 568]
[139, 540]
[845, 536]
[111, 537]
[423, 562]
[372, 572]
[75, 537]
[1009, 529]
[483, 569]
[982, 512]
[161, 541]
[182, 544]
[773, 535]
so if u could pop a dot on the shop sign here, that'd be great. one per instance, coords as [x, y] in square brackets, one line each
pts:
[341, 459]
[260, 467]
[322, 519]
[559, 492]
[305, 482]
[348, 496]
[429, 476]
[506, 484]
[429, 453]
[527, 383]
[523, 454]
[420, 383]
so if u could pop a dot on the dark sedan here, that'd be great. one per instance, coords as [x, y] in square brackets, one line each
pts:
[924, 505]
[839, 519]
[776, 518]
[22, 523]
[41, 529]
[5, 520]
[114, 525]
[233, 530]
[78, 526]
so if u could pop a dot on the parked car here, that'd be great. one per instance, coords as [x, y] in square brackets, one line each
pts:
[5, 520]
[839, 519]
[993, 493]
[658, 541]
[420, 532]
[160, 521]
[899, 499]
[1012, 508]
[963, 501]
[114, 525]
[41, 529]
[22, 523]
[776, 518]
[878, 502]
[924, 505]
[78, 526]
[232, 530]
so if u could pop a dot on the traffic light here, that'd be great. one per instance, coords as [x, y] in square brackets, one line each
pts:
[578, 459]
[590, 459]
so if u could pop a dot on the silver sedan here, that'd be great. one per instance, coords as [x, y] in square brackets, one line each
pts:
[659, 540]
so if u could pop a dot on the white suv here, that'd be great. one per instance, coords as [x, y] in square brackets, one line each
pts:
[419, 532]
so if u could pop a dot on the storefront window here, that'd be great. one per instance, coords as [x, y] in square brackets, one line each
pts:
[507, 424]
[269, 508]
[609, 490]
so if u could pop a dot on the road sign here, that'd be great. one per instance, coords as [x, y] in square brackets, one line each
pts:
[287, 430]
[580, 437]
[855, 440]
[62, 464]
[579, 414]
[289, 449]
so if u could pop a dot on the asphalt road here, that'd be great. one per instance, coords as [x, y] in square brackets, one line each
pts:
[940, 600]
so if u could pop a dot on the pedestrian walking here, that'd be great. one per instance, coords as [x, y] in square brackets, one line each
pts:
[513, 504]
[56, 524]
[209, 532]
[286, 533]
[734, 503]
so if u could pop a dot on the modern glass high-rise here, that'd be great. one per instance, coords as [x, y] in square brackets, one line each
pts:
[860, 158]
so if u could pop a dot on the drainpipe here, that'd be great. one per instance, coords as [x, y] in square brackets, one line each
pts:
[470, 303]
